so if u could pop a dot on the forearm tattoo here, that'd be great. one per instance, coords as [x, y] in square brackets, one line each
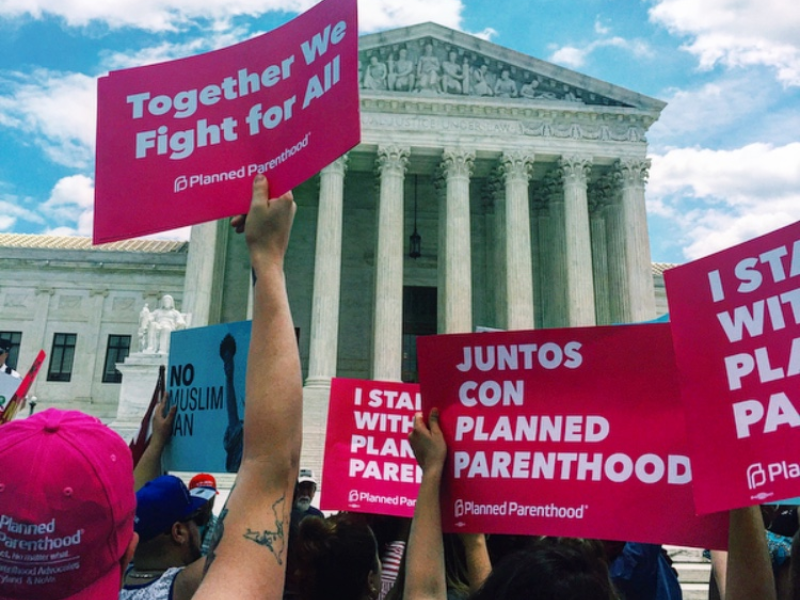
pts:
[275, 541]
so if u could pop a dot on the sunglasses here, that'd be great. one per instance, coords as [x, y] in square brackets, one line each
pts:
[200, 518]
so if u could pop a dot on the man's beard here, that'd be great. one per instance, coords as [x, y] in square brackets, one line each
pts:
[303, 503]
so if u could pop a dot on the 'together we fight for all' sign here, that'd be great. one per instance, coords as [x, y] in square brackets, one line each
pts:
[573, 432]
[179, 143]
[736, 325]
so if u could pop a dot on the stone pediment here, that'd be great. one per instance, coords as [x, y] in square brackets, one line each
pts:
[433, 60]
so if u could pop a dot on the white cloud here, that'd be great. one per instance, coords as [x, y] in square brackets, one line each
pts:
[174, 15]
[56, 111]
[713, 109]
[170, 51]
[487, 34]
[719, 198]
[737, 33]
[575, 57]
[374, 15]
[150, 15]
[570, 56]
[71, 199]
[12, 210]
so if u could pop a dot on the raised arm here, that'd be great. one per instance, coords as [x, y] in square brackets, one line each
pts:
[425, 579]
[478, 563]
[749, 570]
[149, 465]
[248, 557]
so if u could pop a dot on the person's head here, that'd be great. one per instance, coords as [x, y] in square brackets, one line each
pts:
[337, 559]
[167, 301]
[402, 53]
[549, 570]
[204, 485]
[66, 507]
[305, 490]
[168, 521]
[452, 55]
[5, 348]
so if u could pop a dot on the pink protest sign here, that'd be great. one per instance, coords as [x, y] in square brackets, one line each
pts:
[736, 327]
[570, 432]
[179, 143]
[369, 465]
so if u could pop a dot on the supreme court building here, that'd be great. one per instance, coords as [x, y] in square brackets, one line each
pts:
[490, 189]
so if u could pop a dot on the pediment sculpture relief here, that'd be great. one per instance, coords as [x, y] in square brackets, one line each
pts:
[430, 67]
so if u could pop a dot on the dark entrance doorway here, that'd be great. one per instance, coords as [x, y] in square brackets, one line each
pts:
[419, 318]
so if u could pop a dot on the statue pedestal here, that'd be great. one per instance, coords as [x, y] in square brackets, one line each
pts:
[139, 378]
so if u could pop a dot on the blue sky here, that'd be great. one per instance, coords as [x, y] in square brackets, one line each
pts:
[725, 153]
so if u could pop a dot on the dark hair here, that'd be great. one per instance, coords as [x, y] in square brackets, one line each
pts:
[333, 557]
[549, 570]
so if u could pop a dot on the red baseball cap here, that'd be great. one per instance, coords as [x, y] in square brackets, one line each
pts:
[205, 480]
[66, 507]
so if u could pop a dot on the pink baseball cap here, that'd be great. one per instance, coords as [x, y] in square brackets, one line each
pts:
[66, 507]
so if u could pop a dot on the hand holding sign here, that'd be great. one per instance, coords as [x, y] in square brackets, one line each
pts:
[428, 442]
[267, 225]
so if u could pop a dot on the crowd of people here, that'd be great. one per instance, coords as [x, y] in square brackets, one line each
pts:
[79, 521]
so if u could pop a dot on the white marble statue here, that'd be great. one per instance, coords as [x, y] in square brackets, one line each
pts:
[452, 74]
[428, 71]
[375, 74]
[162, 322]
[401, 72]
[145, 316]
[505, 87]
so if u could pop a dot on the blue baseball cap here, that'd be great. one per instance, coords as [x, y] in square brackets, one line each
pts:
[162, 502]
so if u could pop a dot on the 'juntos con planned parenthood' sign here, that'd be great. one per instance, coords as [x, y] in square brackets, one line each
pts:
[574, 432]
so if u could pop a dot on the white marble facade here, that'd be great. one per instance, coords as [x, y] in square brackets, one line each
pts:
[528, 181]
[59, 285]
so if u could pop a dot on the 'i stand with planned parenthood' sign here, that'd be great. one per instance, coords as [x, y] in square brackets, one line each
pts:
[736, 325]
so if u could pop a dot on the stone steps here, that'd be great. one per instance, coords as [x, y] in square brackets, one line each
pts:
[693, 571]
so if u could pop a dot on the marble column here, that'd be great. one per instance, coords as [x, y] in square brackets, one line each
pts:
[554, 252]
[619, 298]
[456, 169]
[516, 170]
[327, 276]
[38, 333]
[580, 286]
[387, 326]
[201, 265]
[633, 174]
[440, 185]
[495, 189]
[599, 198]
[86, 368]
